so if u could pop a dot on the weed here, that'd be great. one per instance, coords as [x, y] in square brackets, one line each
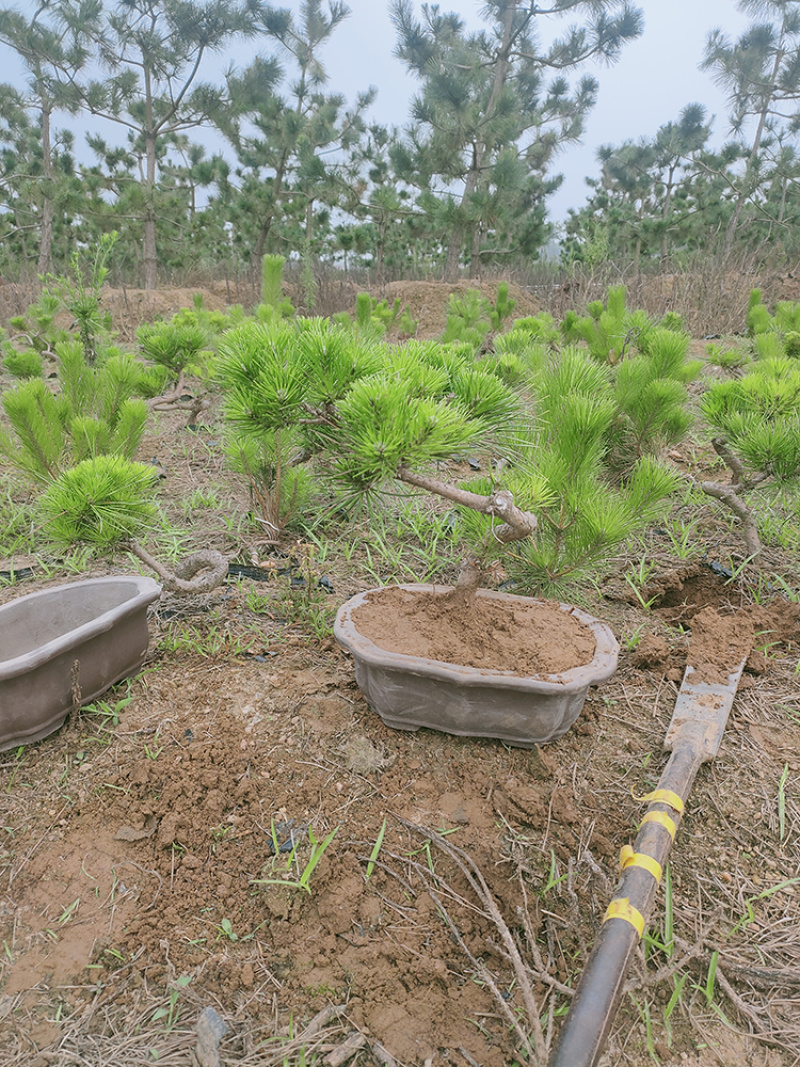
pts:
[683, 539]
[673, 1001]
[68, 912]
[553, 877]
[376, 848]
[750, 914]
[302, 601]
[201, 500]
[644, 1012]
[258, 603]
[154, 752]
[711, 977]
[790, 593]
[108, 713]
[217, 640]
[633, 640]
[303, 881]
[426, 846]
[226, 930]
[171, 1012]
[19, 759]
[637, 578]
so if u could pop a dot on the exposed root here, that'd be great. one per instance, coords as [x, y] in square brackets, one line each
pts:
[199, 573]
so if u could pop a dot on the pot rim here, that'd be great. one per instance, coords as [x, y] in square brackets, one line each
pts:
[144, 589]
[601, 667]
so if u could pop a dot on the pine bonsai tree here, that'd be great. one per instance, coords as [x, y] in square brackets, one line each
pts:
[372, 416]
[106, 502]
[562, 470]
[175, 349]
[758, 417]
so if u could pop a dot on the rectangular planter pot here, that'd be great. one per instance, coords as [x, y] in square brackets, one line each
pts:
[93, 632]
[409, 691]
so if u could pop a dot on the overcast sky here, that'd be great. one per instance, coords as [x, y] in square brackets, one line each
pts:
[654, 79]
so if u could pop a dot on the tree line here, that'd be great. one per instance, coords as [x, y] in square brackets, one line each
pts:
[463, 185]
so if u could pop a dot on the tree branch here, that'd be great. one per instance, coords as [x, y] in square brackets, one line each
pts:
[517, 524]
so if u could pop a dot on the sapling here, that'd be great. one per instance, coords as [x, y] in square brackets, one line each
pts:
[650, 394]
[23, 364]
[758, 417]
[610, 331]
[273, 303]
[373, 317]
[93, 411]
[783, 326]
[37, 328]
[106, 502]
[81, 293]
[503, 307]
[468, 318]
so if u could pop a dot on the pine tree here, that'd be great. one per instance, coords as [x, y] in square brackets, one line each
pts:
[761, 74]
[280, 140]
[150, 55]
[487, 120]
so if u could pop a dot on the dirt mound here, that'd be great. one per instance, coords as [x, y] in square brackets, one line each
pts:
[131, 307]
[427, 302]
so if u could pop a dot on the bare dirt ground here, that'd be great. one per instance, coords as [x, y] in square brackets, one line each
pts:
[140, 885]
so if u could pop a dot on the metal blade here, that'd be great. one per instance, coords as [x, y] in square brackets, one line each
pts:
[701, 712]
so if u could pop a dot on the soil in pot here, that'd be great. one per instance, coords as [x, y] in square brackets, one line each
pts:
[536, 638]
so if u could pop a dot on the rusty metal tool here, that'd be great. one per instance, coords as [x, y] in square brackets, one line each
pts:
[694, 736]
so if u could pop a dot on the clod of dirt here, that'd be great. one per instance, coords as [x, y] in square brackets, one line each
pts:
[211, 1028]
[652, 651]
[719, 643]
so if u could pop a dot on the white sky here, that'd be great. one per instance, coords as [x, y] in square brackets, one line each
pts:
[656, 76]
[654, 79]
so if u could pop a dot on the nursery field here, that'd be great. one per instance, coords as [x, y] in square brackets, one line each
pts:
[230, 859]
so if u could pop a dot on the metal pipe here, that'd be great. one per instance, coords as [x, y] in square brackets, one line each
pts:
[599, 992]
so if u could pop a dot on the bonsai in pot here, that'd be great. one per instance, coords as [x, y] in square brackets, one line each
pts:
[371, 416]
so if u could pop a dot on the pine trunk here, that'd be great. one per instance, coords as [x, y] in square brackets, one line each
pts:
[45, 262]
[475, 174]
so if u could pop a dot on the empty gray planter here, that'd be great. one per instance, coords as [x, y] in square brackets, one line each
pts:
[409, 692]
[93, 633]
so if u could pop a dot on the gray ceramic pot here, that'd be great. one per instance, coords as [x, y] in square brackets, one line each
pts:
[79, 637]
[409, 692]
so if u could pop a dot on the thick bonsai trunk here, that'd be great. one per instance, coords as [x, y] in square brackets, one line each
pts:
[516, 524]
[727, 496]
[730, 495]
[199, 573]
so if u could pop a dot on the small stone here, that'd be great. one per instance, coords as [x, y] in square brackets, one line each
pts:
[211, 1028]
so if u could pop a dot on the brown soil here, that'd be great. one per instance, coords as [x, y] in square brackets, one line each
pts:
[719, 643]
[523, 638]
